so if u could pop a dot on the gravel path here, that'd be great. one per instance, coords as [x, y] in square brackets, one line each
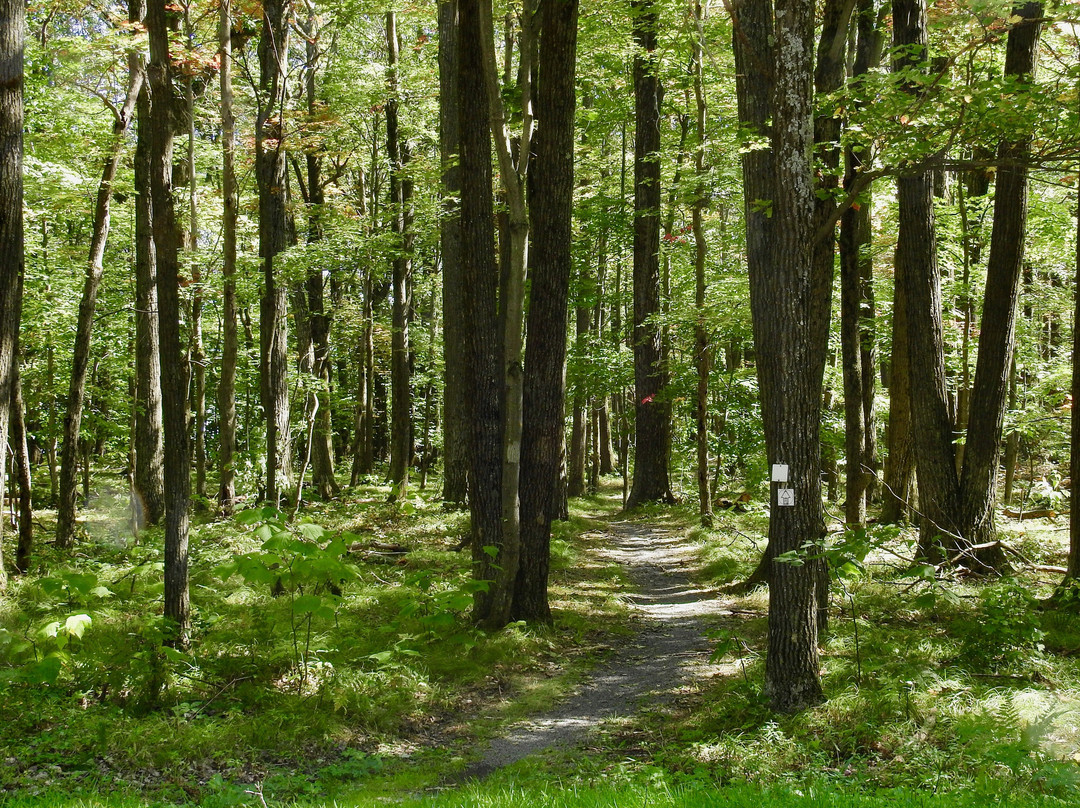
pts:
[666, 650]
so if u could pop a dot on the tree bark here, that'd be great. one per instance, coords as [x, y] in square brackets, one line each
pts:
[702, 348]
[226, 396]
[25, 546]
[790, 364]
[273, 238]
[856, 300]
[997, 333]
[69, 457]
[481, 279]
[551, 196]
[397, 151]
[652, 410]
[12, 260]
[455, 338]
[917, 271]
[174, 375]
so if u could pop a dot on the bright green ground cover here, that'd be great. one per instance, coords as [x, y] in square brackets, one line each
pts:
[946, 686]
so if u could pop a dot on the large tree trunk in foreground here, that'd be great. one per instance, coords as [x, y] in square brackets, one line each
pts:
[551, 195]
[790, 367]
[12, 32]
[997, 332]
[174, 376]
[652, 411]
[481, 277]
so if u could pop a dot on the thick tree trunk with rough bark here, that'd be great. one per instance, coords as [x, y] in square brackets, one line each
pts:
[997, 332]
[12, 33]
[917, 272]
[652, 410]
[790, 367]
[481, 281]
[455, 332]
[174, 375]
[273, 237]
[551, 195]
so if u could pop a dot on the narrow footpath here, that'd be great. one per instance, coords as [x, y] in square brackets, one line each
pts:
[666, 650]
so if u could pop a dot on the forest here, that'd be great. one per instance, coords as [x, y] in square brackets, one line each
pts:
[539, 402]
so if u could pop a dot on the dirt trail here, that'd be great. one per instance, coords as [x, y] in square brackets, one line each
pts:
[667, 649]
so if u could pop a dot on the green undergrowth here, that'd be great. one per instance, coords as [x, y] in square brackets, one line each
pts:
[935, 679]
[328, 648]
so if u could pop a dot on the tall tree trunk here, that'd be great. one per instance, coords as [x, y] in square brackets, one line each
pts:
[148, 478]
[702, 348]
[652, 410]
[198, 355]
[397, 151]
[12, 33]
[856, 298]
[790, 364]
[997, 332]
[455, 336]
[226, 396]
[320, 446]
[481, 279]
[174, 376]
[1074, 418]
[512, 294]
[917, 271]
[273, 237]
[551, 195]
[80, 361]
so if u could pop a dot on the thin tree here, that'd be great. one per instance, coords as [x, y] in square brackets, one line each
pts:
[702, 348]
[226, 396]
[80, 360]
[856, 295]
[397, 151]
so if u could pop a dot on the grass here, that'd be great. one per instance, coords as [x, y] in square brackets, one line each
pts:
[941, 691]
[291, 700]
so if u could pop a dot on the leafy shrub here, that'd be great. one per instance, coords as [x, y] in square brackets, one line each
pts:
[1005, 629]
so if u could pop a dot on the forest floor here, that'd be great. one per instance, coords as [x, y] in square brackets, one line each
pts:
[646, 690]
[667, 650]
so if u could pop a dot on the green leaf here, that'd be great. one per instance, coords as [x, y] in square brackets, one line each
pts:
[77, 624]
[306, 604]
[45, 672]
